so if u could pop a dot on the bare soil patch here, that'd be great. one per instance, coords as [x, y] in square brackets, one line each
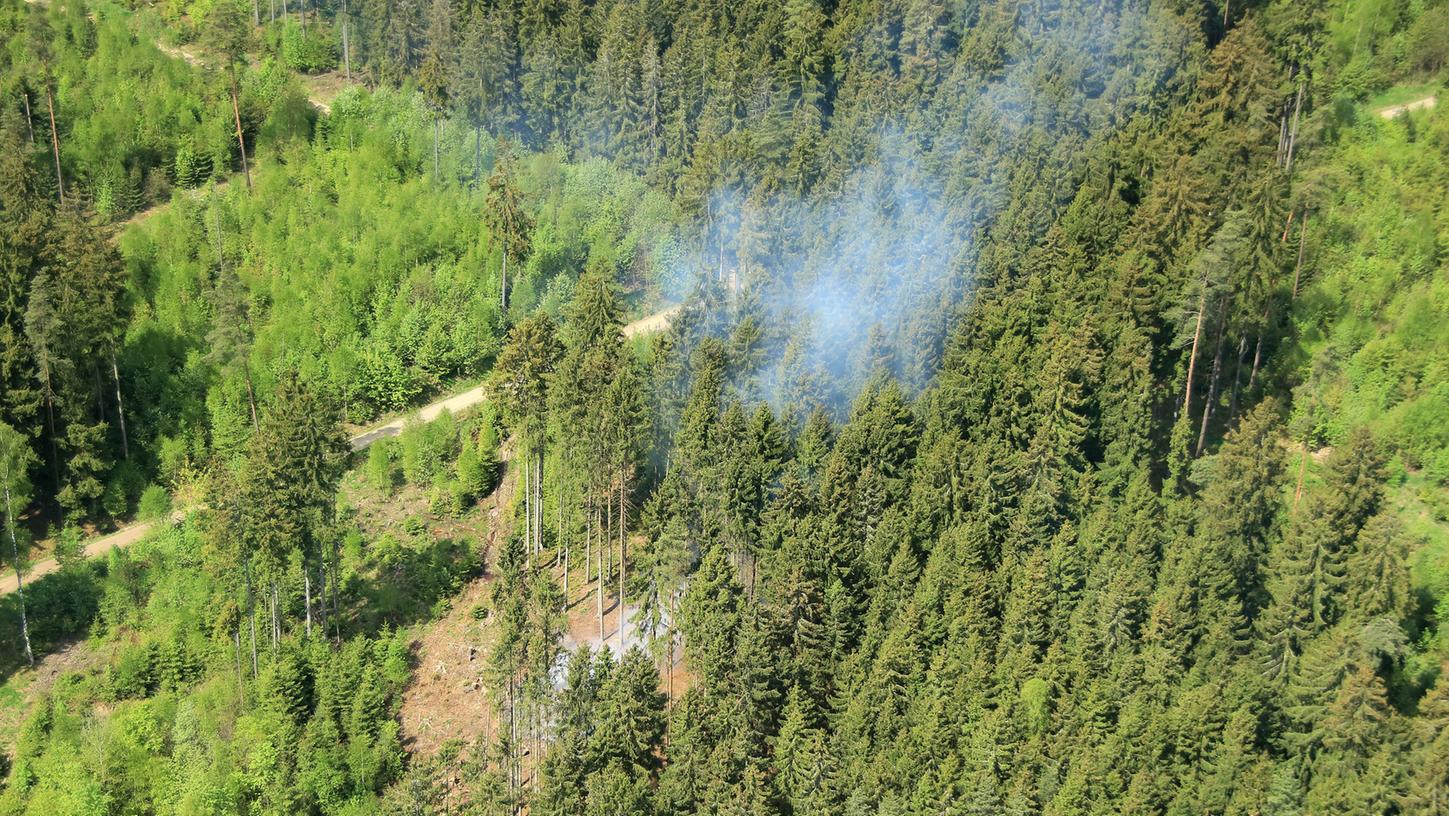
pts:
[27, 687]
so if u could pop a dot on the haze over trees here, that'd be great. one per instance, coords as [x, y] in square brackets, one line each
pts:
[1054, 417]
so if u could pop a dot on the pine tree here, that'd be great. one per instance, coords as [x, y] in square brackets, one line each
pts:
[1376, 579]
[485, 79]
[433, 70]
[709, 617]
[630, 716]
[505, 217]
[520, 383]
[225, 34]
[294, 464]
[1427, 789]
[802, 759]
[25, 218]
[73, 320]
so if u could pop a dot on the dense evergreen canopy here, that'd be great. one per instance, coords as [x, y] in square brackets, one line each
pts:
[1054, 417]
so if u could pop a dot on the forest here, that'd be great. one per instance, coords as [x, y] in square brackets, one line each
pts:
[615, 407]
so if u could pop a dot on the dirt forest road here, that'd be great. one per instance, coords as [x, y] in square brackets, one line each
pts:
[657, 322]
[126, 536]
[427, 413]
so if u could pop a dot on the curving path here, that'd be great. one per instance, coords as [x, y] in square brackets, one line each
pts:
[130, 534]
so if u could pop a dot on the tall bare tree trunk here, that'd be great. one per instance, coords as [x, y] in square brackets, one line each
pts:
[276, 621]
[512, 735]
[622, 533]
[503, 285]
[538, 503]
[1298, 264]
[1192, 358]
[55, 145]
[516, 757]
[1238, 374]
[533, 504]
[529, 505]
[251, 609]
[307, 597]
[241, 688]
[322, 595]
[1258, 347]
[120, 407]
[1293, 131]
[19, 580]
[346, 43]
[256, 13]
[1207, 409]
[240, 142]
[606, 541]
[29, 124]
[251, 397]
[1283, 137]
[600, 588]
[527, 515]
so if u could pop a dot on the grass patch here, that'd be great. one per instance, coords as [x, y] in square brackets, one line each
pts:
[10, 696]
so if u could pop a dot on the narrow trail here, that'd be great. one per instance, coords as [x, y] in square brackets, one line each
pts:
[130, 534]
[195, 193]
[190, 57]
[1418, 104]
[653, 324]
[326, 85]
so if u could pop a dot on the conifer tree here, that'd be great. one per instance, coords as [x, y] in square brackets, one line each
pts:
[225, 34]
[520, 382]
[433, 70]
[505, 217]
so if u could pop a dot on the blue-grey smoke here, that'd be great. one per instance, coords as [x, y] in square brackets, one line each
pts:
[866, 273]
